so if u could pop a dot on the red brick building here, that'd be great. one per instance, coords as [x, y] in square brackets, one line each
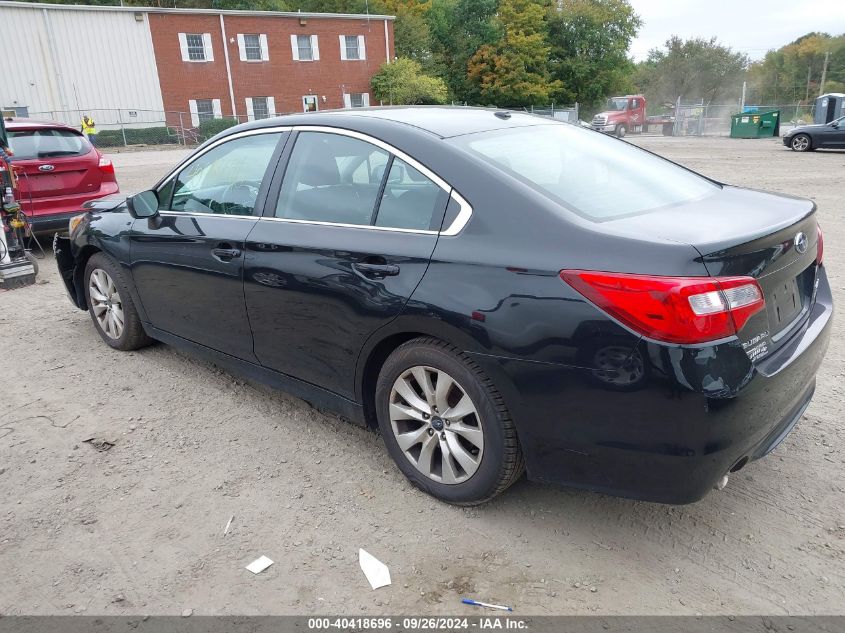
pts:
[258, 64]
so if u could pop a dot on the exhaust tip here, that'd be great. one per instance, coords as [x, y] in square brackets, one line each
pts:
[723, 481]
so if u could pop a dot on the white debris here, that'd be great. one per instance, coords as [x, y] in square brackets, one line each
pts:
[377, 573]
[259, 565]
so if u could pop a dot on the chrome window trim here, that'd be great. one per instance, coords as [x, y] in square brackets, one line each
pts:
[457, 225]
[465, 211]
[202, 214]
[350, 226]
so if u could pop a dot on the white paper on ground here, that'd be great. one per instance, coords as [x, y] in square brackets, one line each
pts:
[377, 573]
[259, 565]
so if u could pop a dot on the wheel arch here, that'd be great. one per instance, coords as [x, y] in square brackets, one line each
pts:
[384, 341]
[85, 253]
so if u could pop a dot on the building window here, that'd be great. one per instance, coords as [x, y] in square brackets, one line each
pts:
[352, 47]
[304, 48]
[303, 44]
[356, 100]
[196, 47]
[253, 47]
[205, 109]
[260, 108]
[309, 103]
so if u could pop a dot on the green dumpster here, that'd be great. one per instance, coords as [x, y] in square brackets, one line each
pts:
[755, 124]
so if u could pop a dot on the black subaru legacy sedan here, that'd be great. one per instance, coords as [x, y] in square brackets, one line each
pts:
[496, 292]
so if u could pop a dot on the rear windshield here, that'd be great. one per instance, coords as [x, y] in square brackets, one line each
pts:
[596, 176]
[47, 143]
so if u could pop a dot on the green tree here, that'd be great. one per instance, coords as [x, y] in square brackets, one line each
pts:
[458, 29]
[403, 82]
[694, 69]
[792, 73]
[514, 70]
[589, 48]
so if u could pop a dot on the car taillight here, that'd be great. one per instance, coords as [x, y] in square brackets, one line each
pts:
[820, 247]
[106, 166]
[672, 309]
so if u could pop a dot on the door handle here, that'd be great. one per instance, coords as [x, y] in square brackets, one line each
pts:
[225, 253]
[376, 271]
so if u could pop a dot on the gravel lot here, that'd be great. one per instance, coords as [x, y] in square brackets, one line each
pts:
[139, 528]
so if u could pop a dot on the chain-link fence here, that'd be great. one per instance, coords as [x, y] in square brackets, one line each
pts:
[124, 127]
[568, 113]
[693, 119]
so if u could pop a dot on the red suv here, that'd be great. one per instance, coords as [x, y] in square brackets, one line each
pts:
[58, 171]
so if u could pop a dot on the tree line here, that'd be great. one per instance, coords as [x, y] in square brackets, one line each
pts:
[519, 53]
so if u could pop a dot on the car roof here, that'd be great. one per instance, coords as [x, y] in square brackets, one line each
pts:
[20, 123]
[442, 121]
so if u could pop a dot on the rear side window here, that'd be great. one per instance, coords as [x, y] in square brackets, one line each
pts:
[596, 176]
[47, 143]
[332, 178]
[410, 199]
[342, 180]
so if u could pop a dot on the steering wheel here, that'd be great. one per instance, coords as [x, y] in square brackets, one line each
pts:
[238, 196]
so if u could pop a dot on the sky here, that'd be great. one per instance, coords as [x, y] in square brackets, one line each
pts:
[749, 26]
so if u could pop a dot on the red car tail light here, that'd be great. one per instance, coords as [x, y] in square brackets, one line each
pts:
[106, 166]
[820, 248]
[672, 309]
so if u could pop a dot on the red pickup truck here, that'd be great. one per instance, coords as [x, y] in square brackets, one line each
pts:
[628, 114]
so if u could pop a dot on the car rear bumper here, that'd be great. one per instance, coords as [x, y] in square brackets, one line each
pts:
[51, 222]
[665, 440]
[51, 214]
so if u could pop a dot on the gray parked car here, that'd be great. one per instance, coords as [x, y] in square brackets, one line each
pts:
[819, 136]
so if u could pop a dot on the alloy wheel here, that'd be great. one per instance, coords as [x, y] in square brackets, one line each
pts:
[106, 303]
[436, 425]
[800, 143]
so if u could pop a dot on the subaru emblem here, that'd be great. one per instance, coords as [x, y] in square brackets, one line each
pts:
[46, 168]
[801, 242]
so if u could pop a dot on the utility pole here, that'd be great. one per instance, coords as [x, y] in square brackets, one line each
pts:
[824, 73]
[807, 94]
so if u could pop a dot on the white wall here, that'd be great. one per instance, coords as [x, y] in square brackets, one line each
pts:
[97, 60]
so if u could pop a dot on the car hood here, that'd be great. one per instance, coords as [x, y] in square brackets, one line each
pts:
[104, 204]
[805, 128]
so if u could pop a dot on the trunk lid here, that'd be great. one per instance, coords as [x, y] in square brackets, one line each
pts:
[741, 232]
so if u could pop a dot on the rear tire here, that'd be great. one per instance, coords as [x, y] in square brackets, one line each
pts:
[110, 305]
[801, 143]
[458, 442]
[621, 130]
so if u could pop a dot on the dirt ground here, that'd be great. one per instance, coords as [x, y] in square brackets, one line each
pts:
[139, 528]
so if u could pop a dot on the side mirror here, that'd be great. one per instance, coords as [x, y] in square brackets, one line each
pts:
[143, 205]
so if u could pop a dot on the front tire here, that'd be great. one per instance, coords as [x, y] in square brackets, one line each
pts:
[110, 305]
[801, 143]
[621, 130]
[445, 424]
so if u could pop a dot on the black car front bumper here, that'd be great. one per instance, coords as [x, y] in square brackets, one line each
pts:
[66, 263]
